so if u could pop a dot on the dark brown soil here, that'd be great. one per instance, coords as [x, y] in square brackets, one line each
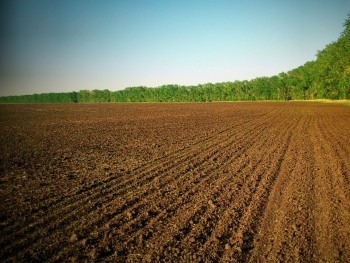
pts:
[206, 182]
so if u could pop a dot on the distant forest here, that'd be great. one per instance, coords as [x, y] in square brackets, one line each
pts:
[328, 77]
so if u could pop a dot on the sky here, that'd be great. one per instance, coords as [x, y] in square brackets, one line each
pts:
[65, 45]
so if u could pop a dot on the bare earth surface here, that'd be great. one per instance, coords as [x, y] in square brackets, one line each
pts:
[206, 182]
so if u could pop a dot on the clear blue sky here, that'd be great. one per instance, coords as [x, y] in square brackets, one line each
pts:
[69, 45]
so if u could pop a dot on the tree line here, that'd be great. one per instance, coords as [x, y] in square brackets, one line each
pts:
[328, 77]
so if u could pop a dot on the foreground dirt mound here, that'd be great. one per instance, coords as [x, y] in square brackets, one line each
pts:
[206, 182]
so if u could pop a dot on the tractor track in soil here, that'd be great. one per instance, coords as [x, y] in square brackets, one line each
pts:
[217, 182]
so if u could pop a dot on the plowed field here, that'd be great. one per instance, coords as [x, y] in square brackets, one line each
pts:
[205, 182]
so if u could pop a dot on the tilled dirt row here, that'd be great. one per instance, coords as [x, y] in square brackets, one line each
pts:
[206, 182]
